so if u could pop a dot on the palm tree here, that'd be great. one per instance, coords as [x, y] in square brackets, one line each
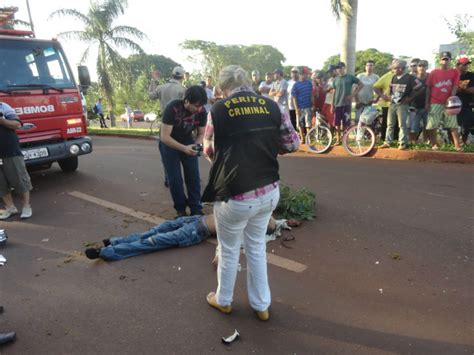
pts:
[100, 34]
[346, 11]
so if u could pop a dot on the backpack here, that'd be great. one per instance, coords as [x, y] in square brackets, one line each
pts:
[95, 109]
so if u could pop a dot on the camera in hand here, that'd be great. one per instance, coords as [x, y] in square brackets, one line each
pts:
[198, 149]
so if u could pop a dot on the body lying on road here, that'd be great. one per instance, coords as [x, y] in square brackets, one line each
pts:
[180, 232]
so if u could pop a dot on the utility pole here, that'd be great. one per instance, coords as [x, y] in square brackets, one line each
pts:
[31, 19]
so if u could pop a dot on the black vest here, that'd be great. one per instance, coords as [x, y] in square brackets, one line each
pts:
[246, 143]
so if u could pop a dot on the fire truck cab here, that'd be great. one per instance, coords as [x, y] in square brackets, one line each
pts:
[37, 82]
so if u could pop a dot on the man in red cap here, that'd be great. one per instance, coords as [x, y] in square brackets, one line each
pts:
[442, 83]
[466, 94]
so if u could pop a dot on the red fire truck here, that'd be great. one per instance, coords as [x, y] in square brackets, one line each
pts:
[37, 81]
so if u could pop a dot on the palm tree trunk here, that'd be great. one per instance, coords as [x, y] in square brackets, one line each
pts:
[349, 32]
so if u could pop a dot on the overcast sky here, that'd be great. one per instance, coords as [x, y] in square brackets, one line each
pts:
[304, 31]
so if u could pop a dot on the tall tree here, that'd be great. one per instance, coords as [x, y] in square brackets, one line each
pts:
[100, 34]
[214, 57]
[345, 11]
[144, 63]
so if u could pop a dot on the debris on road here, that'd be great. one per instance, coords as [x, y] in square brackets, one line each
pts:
[232, 338]
[381, 290]
[395, 256]
[3, 260]
[45, 240]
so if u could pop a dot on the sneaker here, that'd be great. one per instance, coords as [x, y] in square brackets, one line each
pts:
[211, 299]
[93, 253]
[402, 147]
[26, 212]
[385, 145]
[7, 213]
[263, 315]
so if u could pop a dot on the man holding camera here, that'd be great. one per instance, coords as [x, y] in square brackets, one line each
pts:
[179, 148]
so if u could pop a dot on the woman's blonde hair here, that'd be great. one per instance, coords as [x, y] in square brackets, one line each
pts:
[232, 77]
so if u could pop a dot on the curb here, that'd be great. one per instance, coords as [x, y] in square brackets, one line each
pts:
[338, 151]
[133, 136]
[395, 154]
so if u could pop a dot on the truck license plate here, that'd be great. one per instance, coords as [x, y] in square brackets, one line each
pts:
[35, 153]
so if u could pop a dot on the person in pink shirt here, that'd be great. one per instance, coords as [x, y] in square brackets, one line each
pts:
[442, 83]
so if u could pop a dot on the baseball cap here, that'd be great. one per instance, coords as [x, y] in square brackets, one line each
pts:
[464, 60]
[295, 69]
[340, 65]
[306, 71]
[178, 71]
[278, 71]
[398, 63]
[331, 68]
[255, 72]
[444, 55]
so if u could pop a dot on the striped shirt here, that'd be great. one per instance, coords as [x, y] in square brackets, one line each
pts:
[302, 91]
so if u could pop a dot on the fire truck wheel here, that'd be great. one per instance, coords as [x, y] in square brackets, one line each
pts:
[69, 165]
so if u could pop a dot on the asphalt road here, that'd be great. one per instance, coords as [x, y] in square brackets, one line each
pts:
[389, 264]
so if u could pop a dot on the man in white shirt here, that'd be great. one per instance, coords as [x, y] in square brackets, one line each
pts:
[294, 78]
[278, 90]
[366, 94]
[266, 85]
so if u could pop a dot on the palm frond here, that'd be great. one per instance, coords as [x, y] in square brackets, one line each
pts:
[70, 12]
[127, 30]
[339, 7]
[75, 35]
[125, 43]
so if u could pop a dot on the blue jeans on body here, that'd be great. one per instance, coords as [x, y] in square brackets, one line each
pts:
[173, 160]
[181, 232]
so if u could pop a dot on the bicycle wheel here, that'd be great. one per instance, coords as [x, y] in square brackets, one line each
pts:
[358, 140]
[319, 139]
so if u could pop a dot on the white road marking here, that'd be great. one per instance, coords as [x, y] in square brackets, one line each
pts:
[273, 259]
[122, 209]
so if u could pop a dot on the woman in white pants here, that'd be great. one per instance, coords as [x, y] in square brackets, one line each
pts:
[244, 134]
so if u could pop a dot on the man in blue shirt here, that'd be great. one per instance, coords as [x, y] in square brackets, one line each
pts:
[302, 97]
[99, 111]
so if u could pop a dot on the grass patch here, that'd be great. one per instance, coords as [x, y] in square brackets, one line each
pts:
[298, 204]
[468, 148]
[128, 131]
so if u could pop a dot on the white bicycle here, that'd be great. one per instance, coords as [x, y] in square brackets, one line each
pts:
[319, 138]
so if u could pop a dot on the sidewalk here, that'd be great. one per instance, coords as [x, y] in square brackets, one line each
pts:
[395, 154]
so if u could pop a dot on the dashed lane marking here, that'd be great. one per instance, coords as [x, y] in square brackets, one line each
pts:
[273, 259]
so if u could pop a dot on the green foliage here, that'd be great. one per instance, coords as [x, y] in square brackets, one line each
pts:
[297, 204]
[459, 27]
[382, 61]
[214, 57]
[146, 63]
[100, 33]
[339, 7]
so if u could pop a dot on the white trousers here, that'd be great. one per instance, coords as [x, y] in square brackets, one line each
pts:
[244, 222]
